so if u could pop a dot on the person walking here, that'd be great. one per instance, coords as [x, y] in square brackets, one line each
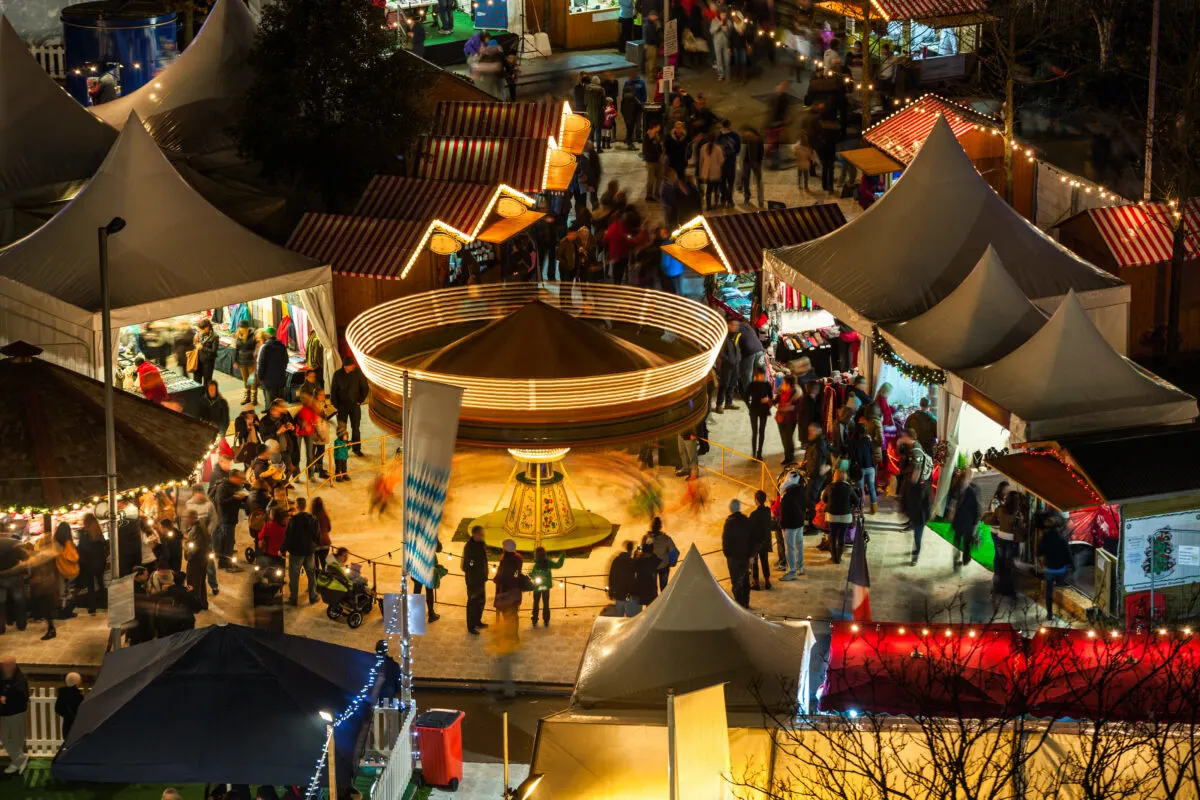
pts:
[753, 150]
[861, 453]
[645, 579]
[728, 362]
[631, 114]
[652, 154]
[475, 573]
[245, 348]
[719, 37]
[593, 101]
[67, 701]
[197, 541]
[761, 523]
[14, 702]
[214, 409]
[207, 345]
[542, 576]
[325, 527]
[625, 15]
[731, 144]
[737, 545]
[968, 510]
[804, 156]
[621, 587]
[651, 36]
[1055, 555]
[1006, 522]
[759, 400]
[565, 261]
[793, 505]
[750, 349]
[664, 548]
[916, 493]
[872, 429]
[348, 392]
[710, 167]
[787, 412]
[841, 499]
[676, 146]
[507, 602]
[815, 468]
[209, 518]
[300, 541]
[232, 500]
[430, 592]
[272, 366]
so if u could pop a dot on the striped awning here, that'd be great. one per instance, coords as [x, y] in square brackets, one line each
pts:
[922, 9]
[902, 134]
[459, 205]
[496, 120]
[520, 163]
[1138, 235]
[363, 246]
[743, 237]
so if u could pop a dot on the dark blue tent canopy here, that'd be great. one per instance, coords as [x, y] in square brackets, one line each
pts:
[222, 704]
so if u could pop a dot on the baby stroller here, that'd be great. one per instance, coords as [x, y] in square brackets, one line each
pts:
[344, 598]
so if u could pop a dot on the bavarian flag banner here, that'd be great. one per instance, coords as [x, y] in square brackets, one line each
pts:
[431, 426]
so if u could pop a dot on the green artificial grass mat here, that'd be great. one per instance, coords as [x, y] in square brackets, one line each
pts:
[984, 554]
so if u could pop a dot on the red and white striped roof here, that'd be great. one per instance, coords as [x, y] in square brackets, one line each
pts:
[902, 134]
[923, 9]
[519, 163]
[741, 238]
[497, 120]
[1140, 235]
[362, 246]
[459, 205]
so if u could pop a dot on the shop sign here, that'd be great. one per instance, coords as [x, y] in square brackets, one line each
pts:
[671, 39]
[1162, 551]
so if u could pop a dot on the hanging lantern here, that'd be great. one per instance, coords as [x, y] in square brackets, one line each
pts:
[558, 159]
[575, 123]
[509, 207]
[443, 244]
[695, 239]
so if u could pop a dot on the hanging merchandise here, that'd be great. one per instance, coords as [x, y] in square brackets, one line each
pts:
[927, 376]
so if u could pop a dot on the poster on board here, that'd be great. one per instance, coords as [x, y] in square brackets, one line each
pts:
[1162, 551]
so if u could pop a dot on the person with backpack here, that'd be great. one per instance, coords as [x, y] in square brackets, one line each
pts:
[761, 524]
[621, 586]
[841, 499]
[916, 495]
[731, 143]
[664, 548]
[542, 576]
[793, 509]
[300, 541]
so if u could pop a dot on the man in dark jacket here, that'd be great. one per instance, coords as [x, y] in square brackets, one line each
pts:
[752, 164]
[348, 392]
[631, 113]
[731, 143]
[272, 366]
[646, 578]
[12, 580]
[232, 500]
[299, 542]
[577, 98]
[967, 512]
[67, 702]
[621, 588]
[737, 545]
[475, 571]
[816, 467]
[793, 509]
[760, 539]
[14, 700]
[750, 351]
[727, 371]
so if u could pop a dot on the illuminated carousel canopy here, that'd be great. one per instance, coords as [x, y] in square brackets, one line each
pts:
[542, 368]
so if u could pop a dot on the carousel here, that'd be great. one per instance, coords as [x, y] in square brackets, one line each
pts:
[545, 368]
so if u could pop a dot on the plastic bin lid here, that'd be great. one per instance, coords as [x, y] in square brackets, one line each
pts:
[437, 718]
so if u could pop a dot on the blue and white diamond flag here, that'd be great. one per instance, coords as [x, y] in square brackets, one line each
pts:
[432, 419]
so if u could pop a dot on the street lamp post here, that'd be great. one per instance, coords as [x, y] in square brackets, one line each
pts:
[327, 718]
[115, 226]
[526, 787]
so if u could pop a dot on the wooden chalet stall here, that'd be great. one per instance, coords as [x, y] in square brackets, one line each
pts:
[528, 165]
[1134, 242]
[901, 135]
[541, 120]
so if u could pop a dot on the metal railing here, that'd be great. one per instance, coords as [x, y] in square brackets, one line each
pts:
[355, 465]
[766, 481]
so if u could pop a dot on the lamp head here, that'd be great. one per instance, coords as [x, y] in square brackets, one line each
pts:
[526, 788]
[325, 716]
[115, 225]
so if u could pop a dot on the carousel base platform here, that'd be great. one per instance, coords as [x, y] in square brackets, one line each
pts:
[590, 528]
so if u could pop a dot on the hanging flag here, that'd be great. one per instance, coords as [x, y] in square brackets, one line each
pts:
[860, 577]
[432, 422]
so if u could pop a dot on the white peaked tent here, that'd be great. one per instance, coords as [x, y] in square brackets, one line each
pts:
[1067, 379]
[919, 241]
[47, 140]
[985, 317]
[177, 255]
[190, 106]
[694, 635]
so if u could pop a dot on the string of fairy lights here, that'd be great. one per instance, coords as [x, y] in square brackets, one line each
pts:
[926, 376]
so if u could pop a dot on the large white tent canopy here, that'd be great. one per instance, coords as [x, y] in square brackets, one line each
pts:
[1067, 379]
[47, 140]
[177, 255]
[919, 242]
[693, 636]
[191, 105]
[987, 316]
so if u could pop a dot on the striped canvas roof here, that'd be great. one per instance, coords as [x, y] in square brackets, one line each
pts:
[921, 9]
[520, 163]
[743, 237]
[902, 134]
[459, 205]
[376, 248]
[1138, 235]
[497, 120]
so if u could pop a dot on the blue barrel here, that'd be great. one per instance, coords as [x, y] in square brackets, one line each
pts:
[118, 45]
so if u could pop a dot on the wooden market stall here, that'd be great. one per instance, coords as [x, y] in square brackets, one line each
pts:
[540, 120]
[527, 165]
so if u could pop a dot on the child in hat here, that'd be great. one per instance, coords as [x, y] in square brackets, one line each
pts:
[341, 454]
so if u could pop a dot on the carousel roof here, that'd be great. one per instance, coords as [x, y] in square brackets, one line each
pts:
[52, 424]
[540, 341]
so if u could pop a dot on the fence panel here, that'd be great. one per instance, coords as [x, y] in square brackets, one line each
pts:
[393, 781]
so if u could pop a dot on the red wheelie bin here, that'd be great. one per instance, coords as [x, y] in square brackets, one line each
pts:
[439, 740]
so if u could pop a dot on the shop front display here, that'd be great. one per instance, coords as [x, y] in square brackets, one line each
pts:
[578, 24]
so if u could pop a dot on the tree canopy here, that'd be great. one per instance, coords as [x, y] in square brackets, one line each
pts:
[333, 102]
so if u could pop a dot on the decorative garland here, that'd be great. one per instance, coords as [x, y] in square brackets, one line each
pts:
[926, 376]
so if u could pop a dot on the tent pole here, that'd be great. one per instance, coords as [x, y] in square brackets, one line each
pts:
[672, 765]
[110, 425]
[405, 633]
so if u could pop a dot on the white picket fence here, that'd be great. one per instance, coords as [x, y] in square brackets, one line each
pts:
[396, 727]
[44, 733]
[52, 59]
